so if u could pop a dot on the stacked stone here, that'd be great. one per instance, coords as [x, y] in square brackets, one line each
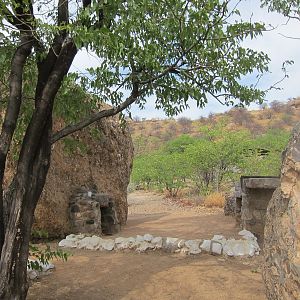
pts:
[92, 212]
[281, 270]
[109, 218]
[85, 214]
[229, 207]
[256, 194]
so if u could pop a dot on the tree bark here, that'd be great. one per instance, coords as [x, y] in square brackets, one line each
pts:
[12, 113]
[28, 183]
[23, 196]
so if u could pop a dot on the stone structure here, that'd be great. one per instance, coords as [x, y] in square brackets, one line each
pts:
[238, 202]
[102, 164]
[92, 212]
[281, 270]
[232, 205]
[256, 193]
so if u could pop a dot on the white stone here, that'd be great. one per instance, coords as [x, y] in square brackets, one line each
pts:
[218, 237]
[205, 246]
[71, 237]
[107, 245]
[241, 248]
[193, 246]
[131, 242]
[157, 242]
[32, 274]
[94, 243]
[170, 244]
[247, 235]
[79, 236]
[90, 243]
[125, 243]
[181, 244]
[184, 251]
[143, 246]
[216, 247]
[44, 266]
[139, 238]
[119, 240]
[148, 237]
[68, 243]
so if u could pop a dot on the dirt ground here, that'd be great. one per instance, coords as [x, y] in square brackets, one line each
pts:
[127, 275]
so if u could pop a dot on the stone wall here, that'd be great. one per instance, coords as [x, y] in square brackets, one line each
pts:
[92, 212]
[256, 195]
[232, 204]
[281, 271]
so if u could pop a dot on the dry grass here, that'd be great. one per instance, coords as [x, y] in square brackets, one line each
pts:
[214, 200]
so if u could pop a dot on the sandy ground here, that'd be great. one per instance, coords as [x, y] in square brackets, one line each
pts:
[98, 275]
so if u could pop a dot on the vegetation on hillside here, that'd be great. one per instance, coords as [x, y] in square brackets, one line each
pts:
[211, 161]
[150, 135]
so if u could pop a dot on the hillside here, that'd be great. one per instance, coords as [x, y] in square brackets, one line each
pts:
[149, 135]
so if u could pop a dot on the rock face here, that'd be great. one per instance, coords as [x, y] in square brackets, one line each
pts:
[97, 159]
[281, 270]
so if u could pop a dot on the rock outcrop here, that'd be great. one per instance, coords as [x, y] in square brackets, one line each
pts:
[281, 270]
[98, 159]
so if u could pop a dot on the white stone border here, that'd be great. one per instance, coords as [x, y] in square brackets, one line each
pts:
[247, 246]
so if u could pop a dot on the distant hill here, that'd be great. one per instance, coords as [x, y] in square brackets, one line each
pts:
[149, 135]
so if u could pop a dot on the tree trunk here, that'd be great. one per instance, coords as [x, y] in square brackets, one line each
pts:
[23, 196]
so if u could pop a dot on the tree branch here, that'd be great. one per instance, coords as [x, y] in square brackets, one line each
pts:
[45, 105]
[45, 66]
[97, 116]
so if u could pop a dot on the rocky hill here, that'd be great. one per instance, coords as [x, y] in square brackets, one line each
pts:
[149, 135]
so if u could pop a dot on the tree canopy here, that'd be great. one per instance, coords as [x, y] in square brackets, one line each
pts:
[290, 8]
[175, 50]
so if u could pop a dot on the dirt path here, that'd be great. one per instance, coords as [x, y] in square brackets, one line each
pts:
[98, 275]
[151, 213]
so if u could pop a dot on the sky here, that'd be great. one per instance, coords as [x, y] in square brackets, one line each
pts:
[281, 44]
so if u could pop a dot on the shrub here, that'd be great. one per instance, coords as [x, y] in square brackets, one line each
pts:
[241, 116]
[277, 106]
[214, 200]
[185, 123]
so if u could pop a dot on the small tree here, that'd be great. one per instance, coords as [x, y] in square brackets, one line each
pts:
[241, 116]
[176, 50]
[185, 123]
[277, 106]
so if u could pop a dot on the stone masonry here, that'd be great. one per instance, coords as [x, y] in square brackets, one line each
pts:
[281, 270]
[92, 212]
[255, 197]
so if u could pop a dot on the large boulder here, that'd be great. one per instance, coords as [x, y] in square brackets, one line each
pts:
[98, 158]
[281, 269]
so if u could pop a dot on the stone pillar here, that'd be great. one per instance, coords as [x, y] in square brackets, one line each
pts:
[257, 192]
[85, 214]
[281, 270]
